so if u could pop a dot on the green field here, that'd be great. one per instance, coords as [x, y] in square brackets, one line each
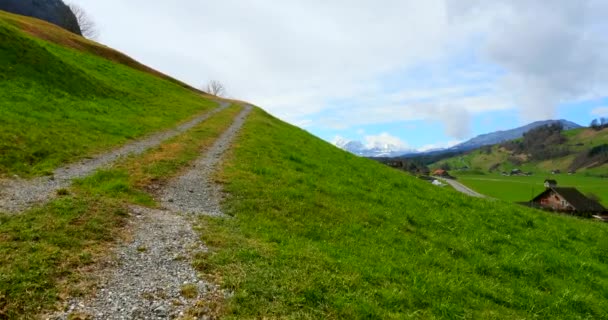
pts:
[319, 233]
[58, 104]
[525, 188]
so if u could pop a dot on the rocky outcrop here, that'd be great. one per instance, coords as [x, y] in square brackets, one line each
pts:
[53, 11]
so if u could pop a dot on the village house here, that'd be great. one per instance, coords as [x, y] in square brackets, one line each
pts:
[441, 173]
[566, 200]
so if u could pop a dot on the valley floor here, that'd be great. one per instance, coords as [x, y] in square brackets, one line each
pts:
[525, 188]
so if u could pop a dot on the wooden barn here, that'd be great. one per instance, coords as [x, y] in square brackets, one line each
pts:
[567, 200]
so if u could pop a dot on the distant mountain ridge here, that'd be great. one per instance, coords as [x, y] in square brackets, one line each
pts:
[390, 150]
[506, 135]
[492, 138]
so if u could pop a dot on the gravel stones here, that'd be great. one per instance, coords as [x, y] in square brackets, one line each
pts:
[153, 277]
[17, 195]
[149, 273]
[195, 192]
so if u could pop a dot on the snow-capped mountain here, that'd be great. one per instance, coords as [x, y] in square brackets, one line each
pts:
[372, 150]
[382, 149]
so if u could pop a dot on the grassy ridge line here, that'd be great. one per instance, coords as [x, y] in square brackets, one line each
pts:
[59, 104]
[52, 33]
[319, 233]
[48, 253]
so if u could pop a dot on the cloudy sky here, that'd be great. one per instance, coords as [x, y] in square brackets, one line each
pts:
[418, 74]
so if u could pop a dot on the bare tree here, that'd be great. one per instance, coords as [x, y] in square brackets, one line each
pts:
[215, 88]
[88, 27]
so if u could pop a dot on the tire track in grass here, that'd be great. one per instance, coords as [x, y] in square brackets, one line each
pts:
[194, 191]
[154, 277]
[18, 195]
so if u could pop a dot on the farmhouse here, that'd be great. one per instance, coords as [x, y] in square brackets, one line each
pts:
[441, 173]
[566, 199]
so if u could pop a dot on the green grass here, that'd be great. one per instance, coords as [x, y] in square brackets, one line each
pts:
[128, 179]
[43, 252]
[319, 233]
[521, 189]
[59, 104]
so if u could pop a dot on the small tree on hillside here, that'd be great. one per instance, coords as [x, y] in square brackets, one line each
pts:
[88, 27]
[215, 88]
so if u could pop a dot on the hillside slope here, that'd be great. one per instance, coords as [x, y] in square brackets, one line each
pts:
[506, 135]
[320, 233]
[316, 232]
[578, 143]
[59, 104]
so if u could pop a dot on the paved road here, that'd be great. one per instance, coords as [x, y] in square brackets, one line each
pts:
[462, 188]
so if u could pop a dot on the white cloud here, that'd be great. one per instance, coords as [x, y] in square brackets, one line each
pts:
[297, 58]
[551, 53]
[600, 112]
[338, 140]
[443, 145]
[385, 140]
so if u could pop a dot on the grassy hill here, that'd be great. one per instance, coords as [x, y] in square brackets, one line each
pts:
[66, 97]
[320, 233]
[497, 158]
[316, 232]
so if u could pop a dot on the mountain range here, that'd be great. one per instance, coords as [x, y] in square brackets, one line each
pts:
[373, 151]
[506, 135]
[390, 150]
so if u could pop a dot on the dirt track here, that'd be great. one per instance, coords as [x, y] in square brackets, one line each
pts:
[18, 195]
[149, 274]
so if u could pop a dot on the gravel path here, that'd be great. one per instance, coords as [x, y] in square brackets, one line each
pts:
[151, 271]
[18, 195]
[147, 278]
[194, 191]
